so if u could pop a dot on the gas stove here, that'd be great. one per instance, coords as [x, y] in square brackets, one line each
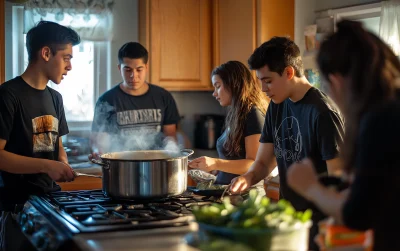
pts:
[50, 222]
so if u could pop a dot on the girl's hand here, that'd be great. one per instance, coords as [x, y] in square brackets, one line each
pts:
[203, 163]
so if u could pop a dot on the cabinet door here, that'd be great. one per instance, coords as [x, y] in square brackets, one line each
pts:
[275, 18]
[239, 26]
[177, 34]
[234, 30]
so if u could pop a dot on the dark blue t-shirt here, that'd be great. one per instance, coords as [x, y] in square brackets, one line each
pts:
[135, 122]
[311, 127]
[254, 124]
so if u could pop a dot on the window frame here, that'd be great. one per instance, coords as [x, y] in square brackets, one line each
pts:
[356, 12]
[101, 56]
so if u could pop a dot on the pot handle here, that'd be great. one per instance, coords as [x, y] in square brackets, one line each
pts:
[99, 162]
[187, 151]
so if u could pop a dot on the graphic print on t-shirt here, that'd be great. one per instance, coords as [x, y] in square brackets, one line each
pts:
[45, 133]
[143, 121]
[288, 140]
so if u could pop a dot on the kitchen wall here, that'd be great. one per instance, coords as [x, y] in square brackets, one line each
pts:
[305, 15]
[125, 29]
[191, 103]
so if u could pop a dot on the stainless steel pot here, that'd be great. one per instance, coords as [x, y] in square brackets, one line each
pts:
[144, 174]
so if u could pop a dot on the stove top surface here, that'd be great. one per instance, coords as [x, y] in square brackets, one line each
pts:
[92, 211]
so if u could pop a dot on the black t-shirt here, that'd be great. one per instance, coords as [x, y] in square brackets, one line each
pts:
[254, 123]
[140, 118]
[373, 201]
[311, 127]
[31, 121]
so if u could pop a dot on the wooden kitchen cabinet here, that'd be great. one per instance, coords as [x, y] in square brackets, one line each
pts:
[186, 39]
[239, 27]
[234, 30]
[178, 36]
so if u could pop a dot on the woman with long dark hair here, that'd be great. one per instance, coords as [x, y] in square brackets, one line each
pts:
[363, 76]
[236, 89]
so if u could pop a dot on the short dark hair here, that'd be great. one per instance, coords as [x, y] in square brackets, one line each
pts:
[133, 50]
[277, 53]
[50, 34]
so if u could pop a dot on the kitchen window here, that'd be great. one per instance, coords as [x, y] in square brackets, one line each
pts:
[77, 88]
[82, 86]
[379, 18]
[368, 14]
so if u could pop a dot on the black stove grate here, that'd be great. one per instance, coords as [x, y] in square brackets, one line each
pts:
[92, 211]
[78, 197]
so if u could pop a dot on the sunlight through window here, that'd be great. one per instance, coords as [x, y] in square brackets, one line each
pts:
[77, 88]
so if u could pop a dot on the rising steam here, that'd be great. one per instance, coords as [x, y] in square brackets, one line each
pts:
[127, 138]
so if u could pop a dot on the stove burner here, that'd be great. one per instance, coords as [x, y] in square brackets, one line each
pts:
[92, 211]
[73, 197]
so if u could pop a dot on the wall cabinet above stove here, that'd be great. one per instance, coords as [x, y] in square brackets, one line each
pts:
[186, 39]
[178, 36]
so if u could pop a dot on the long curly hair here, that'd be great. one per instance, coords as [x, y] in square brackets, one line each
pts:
[246, 93]
[370, 68]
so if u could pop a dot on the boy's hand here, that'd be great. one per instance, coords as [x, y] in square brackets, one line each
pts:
[60, 171]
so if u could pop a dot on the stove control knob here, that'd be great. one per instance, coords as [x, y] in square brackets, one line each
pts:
[39, 239]
[39, 224]
[52, 243]
[30, 215]
[28, 227]
[22, 219]
[42, 242]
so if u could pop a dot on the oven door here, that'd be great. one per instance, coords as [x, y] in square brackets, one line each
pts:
[12, 237]
[39, 228]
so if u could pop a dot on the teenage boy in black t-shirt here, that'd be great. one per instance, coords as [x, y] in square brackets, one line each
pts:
[32, 120]
[134, 115]
[301, 121]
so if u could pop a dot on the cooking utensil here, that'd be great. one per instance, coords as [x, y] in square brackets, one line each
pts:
[235, 199]
[144, 174]
[224, 192]
[79, 174]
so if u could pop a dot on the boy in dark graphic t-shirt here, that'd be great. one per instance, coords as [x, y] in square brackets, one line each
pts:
[301, 122]
[32, 120]
[134, 115]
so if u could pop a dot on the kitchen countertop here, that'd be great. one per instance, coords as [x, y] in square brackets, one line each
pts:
[82, 182]
[87, 167]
